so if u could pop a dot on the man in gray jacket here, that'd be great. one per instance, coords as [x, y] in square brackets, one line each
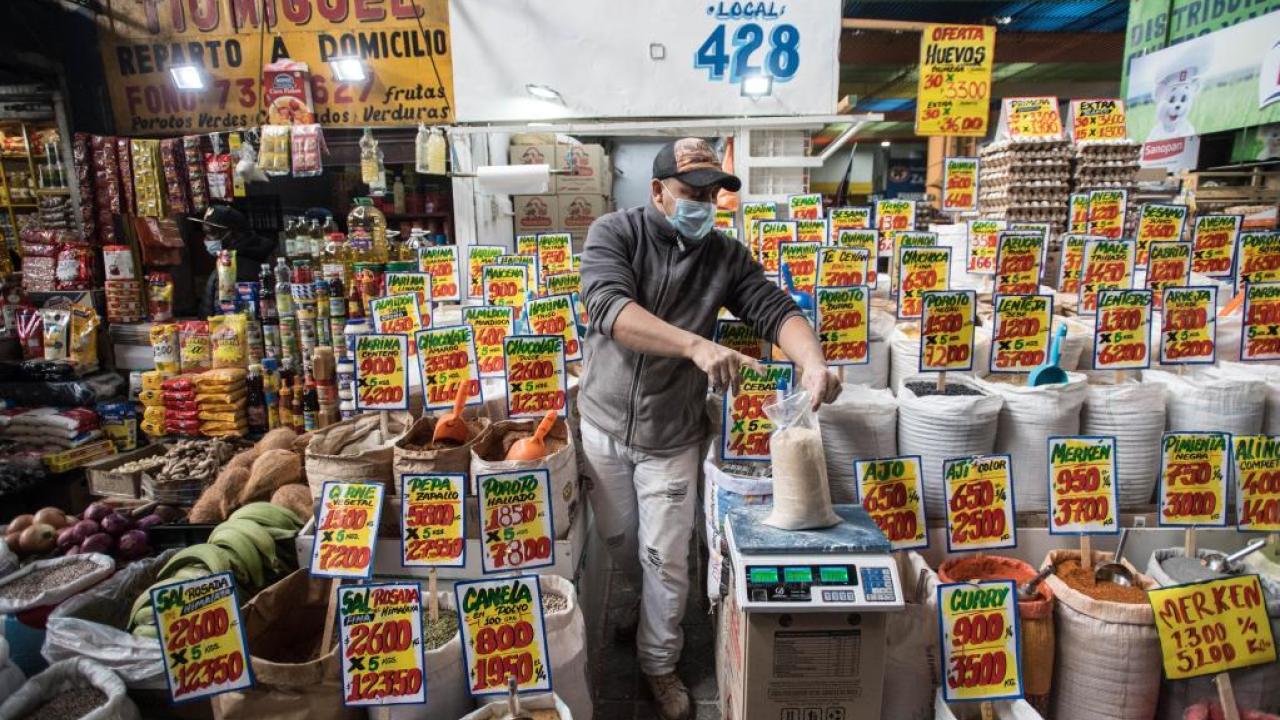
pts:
[654, 279]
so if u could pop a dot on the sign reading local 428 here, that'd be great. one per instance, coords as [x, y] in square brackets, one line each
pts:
[404, 44]
[754, 40]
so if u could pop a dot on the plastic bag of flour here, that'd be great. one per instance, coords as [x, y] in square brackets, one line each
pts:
[801, 497]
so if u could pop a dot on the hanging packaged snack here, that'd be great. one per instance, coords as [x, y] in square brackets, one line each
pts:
[147, 176]
[159, 296]
[226, 283]
[82, 342]
[57, 326]
[124, 165]
[219, 167]
[117, 261]
[227, 336]
[308, 144]
[273, 154]
[124, 301]
[194, 349]
[106, 174]
[74, 270]
[82, 160]
[193, 161]
[174, 165]
[164, 347]
[31, 332]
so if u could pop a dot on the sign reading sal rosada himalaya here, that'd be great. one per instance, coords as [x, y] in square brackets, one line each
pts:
[404, 45]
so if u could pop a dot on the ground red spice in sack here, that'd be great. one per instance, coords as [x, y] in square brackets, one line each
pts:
[1082, 580]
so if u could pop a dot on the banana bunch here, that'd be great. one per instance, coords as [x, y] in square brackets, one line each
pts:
[244, 544]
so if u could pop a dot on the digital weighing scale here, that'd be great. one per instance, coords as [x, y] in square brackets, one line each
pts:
[802, 635]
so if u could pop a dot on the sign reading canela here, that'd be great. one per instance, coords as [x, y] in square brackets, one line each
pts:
[407, 59]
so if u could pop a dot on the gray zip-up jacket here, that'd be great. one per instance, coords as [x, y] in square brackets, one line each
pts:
[647, 402]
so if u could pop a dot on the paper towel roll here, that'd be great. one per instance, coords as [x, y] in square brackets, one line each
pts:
[514, 179]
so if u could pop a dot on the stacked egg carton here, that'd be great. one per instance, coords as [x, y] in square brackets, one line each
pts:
[1108, 165]
[1026, 181]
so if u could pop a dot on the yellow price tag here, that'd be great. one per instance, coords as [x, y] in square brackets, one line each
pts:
[506, 285]
[441, 263]
[946, 330]
[773, 233]
[1107, 212]
[1078, 216]
[382, 372]
[1097, 119]
[1213, 240]
[503, 635]
[396, 314]
[979, 493]
[517, 525]
[346, 530]
[1018, 263]
[848, 218]
[1020, 332]
[433, 518]
[1158, 223]
[1168, 265]
[921, 270]
[381, 639]
[1259, 258]
[477, 257]
[867, 241]
[1031, 118]
[744, 428]
[447, 358]
[954, 89]
[891, 492]
[1193, 478]
[1189, 329]
[1211, 627]
[490, 325]
[740, 336]
[1122, 330]
[1261, 328]
[843, 324]
[554, 315]
[804, 207]
[555, 254]
[1108, 265]
[418, 284]
[801, 259]
[841, 266]
[535, 375]
[981, 649]
[983, 241]
[1083, 494]
[960, 184]
[203, 637]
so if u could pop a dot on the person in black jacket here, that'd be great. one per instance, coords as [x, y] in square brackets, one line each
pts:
[226, 228]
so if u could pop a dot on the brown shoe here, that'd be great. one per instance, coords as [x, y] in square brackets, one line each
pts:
[671, 696]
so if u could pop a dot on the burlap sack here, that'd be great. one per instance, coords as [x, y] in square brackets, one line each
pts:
[561, 463]
[354, 450]
[412, 453]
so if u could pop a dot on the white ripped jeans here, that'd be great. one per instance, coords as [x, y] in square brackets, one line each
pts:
[644, 506]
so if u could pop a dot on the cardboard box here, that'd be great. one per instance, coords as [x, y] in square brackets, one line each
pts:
[589, 169]
[536, 213]
[532, 155]
[579, 210]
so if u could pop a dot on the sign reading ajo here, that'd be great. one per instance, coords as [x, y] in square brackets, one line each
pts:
[890, 491]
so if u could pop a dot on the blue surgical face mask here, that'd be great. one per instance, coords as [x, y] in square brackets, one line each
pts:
[213, 247]
[692, 219]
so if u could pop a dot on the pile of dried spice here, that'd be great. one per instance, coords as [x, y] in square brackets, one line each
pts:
[1082, 580]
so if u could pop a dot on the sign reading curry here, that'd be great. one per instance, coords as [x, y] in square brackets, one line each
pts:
[403, 45]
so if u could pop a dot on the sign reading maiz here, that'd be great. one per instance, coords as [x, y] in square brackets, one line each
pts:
[404, 45]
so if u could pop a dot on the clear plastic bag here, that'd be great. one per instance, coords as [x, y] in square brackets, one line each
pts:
[801, 495]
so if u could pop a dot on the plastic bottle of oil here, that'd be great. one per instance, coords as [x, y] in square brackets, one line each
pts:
[369, 166]
[437, 148]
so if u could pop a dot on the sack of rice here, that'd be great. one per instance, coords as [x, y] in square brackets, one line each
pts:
[958, 422]
[860, 425]
[904, 349]
[1269, 374]
[1133, 413]
[801, 494]
[875, 373]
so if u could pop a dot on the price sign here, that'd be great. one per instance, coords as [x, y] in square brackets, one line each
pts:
[801, 258]
[500, 622]
[1122, 331]
[1083, 495]
[506, 285]
[744, 428]
[1193, 478]
[960, 184]
[894, 216]
[1168, 265]
[811, 231]
[1020, 332]
[346, 530]
[433, 520]
[1071, 267]
[844, 266]
[1213, 239]
[1108, 265]
[724, 219]
[1212, 626]
[447, 358]
[565, 283]
[441, 263]
[954, 89]
[946, 334]
[527, 244]
[752, 213]
[804, 207]
[1158, 223]
[205, 652]
[380, 629]
[1259, 258]
[921, 270]
[1260, 336]
[478, 256]
[555, 255]
[554, 315]
[843, 324]
[416, 283]
[1256, 462]
[848, 218]
[515, 512]
[980, 508]
[1018, 263]
[907, 238]
[982, 239]
[1097, 119]
[1107, 209]
[740, 336]
[867, 240]
[1078, 213]
[535, 375]
[1031, 118]
[981, 644]
[1189, 329]
[490, 325]
[772, 234]
[890, 491]
[382, 372]
[396, 314]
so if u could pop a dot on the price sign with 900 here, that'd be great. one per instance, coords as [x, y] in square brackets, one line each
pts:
[203, 639]
[381, 372]
[381, 640]
[980, 644]
[503, 636]
[346, 530]
[515, 519]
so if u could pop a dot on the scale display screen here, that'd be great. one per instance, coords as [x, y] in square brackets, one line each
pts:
[763, 576]
[833, 575]
[797, 574]
[796, 583]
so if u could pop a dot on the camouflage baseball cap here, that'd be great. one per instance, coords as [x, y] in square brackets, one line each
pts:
[694, 162]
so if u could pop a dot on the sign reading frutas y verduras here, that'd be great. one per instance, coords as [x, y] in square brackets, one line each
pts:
[1083, 495]
[744, 428]
[1122, 330]
[980, 507]
[983, 240]
[1168, 265]
[946, 330]
[515, 519]
[380, 629]
[1212, 626]
[1256, 461]
[441, 263]
[346, 530]
[405, 47]
[981, 647]
[1097, 119]
[1214, 241]
[1193, 478]
[954, 90]
[1018, 263]
[382, 366]
[867, 240]
[740, 336]
[921, 270]
[433, 519]
[502, 635]
[890, 491]
[1108, 265]
[845, 266]
[1020, 334]
[490, 325]
[960, 184]
[447, 356]
[1259, 258]
[843, 322]
[1189, 329]
[1071, 266]
[801, 260]
[1159, 223]
[203, 638]
[553, 315]
[535, 375]
[477, 257]
[1261, 331]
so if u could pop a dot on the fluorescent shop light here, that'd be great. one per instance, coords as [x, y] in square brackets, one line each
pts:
[187, 77]
[757, 86]
[348, 69]
[885, 143]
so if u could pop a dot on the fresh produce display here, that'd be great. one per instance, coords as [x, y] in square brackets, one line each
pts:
[255, 474]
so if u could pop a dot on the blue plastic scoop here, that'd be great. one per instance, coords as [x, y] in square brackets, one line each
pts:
[1050, 373]
[803, 299]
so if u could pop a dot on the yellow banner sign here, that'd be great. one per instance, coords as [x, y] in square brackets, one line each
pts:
[981, 646]
[1211, 627]
[1020, 334]
[382, 372]
[1189, 329]
[983, 239]
[1018, 263]
[1107, 211]
[535, 375]
[979, 494]
[477, 257]
[554, 315]
[891, 491]
[1193, 478]
[841, 266]
[920, 270]
[441, 263]
[804, 207]
[381, 640]
[866, 240]
[1097, 119]
[515, 515]
[1261, 330]
[1031, 118]
[1259, 258]
[740, 336]
[848, 218]
[346, 530]
[433, 518]
[954, 90]
[1122, 330]
[960, 184]
[1108, 265]
[843, 321]
[946, 331]
[801, 260]
[447, 357]
[203, 637]
[1083, 494]
[1214, 242]
[1159, 223]
[744, 428]
[1168, 265]
[1256, 460]
[490, 324]
[503, 635]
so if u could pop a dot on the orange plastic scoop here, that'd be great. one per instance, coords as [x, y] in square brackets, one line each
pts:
[451, 427]
[533, 448]
[1230, 307]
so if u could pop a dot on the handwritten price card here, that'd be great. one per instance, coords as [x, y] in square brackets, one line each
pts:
[1108, 265]
[565, 283]
[1193, 478]
[843, 322]
[1256, 461]
[752, 213]
[811, 231]
[960, 184]
[804, 207]
[894, 216]
[382, 379]
[441, 263]
[1168, 265]
[1097, 119]
[848, 218]
[1213, 626]
[744, 428]
[490, 325]
[396, 314]
[983, 239]
[981, 648]
[890, 492]
[1018, 263]
[921, 270]
[555, 251]
[432, 520]
[1189, 330]
[1020, 334]
[515, 512]
[380, 629]
[1158, 223]
[772, 234]
[843, 266]
[724, 220]
[1107, 209]
[448, 359]
[535, 375]
[346, 530]
[506, 285]
[554, 315]
[1071, 267]
[1078, 213]
[899, 240]
[1260, 338]
[203, 638]
[1083, 495]
[1259, 258]
[740, 336]
[502, 635]
[868, 240]
[1213, 240]
[417, 283]
[946, 335]
[955, 80]
[801, 258]
[477, 257]
[527, 244]
[1031, 118]
[1122, 331]
[980, 507]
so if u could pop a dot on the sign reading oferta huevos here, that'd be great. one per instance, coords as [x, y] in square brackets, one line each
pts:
[954, 91]
[404, 46]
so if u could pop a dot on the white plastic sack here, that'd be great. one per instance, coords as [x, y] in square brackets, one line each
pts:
[1269, 374]
[938, 427]
[875, 373]
[1211, 401]
[11, 678]
[723, 492]
[1028, 418]
[498, 710]
[860, 425]
[446, 679]
[1016, 710]
[8, 560]
[67, 675]
[567, 648]
[911, 661]
[1079, 338]
[904, 354]
[53, 596]
[1133, 413]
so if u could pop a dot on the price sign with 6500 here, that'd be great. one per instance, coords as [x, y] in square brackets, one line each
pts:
[346, 530]
[980, 644]
[979, 503]
[381, 639]
[432, 518]
[203, 638]
[731, 53]
[515, 512]
[503, 635]
[890, 489]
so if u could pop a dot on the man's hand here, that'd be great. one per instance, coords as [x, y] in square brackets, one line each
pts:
[822, 384]
[721, 364]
